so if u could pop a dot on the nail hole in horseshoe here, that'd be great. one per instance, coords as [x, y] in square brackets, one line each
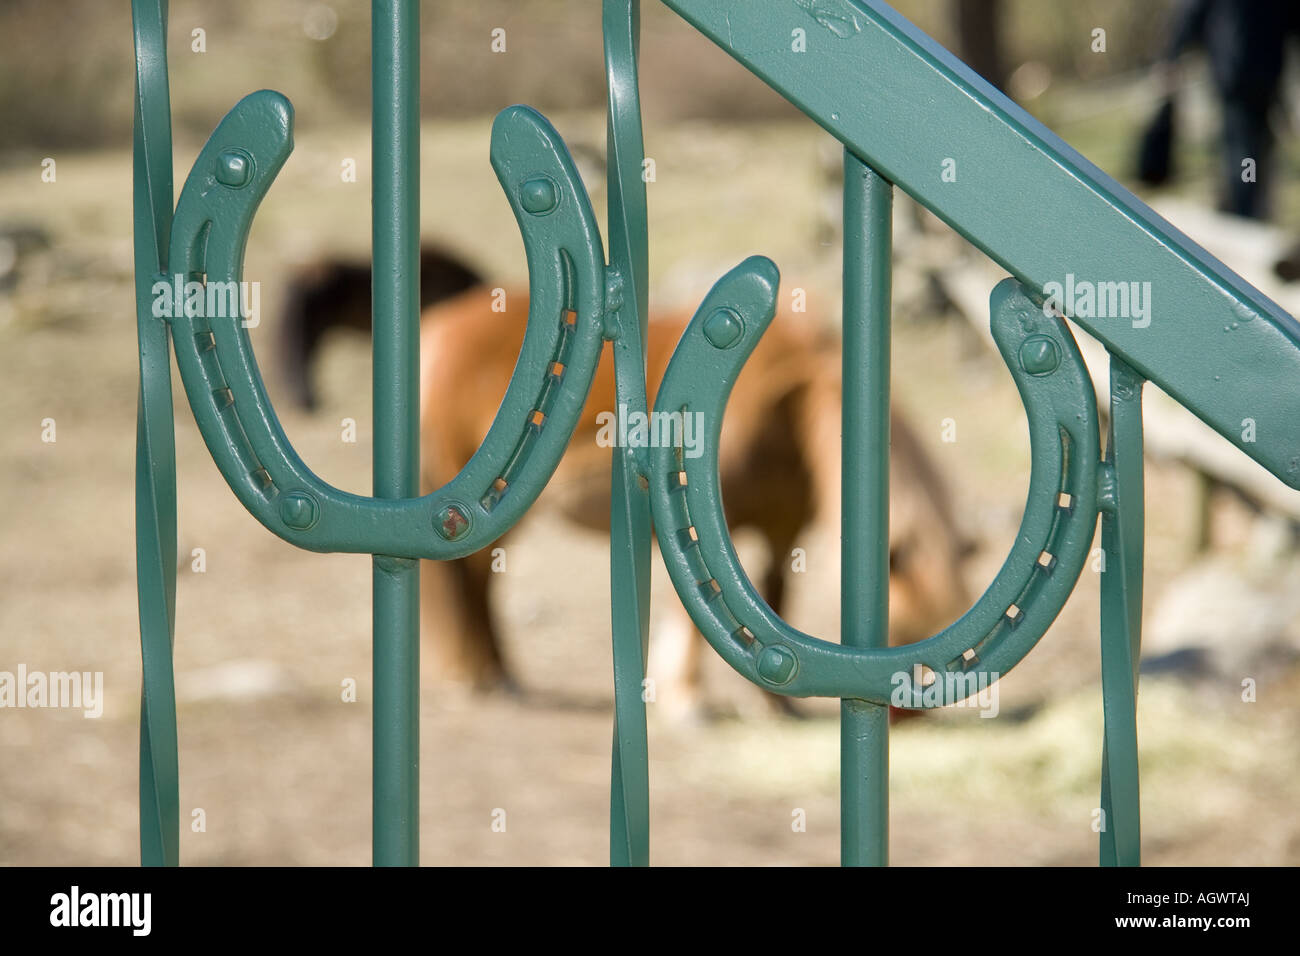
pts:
[710, 589]
[1047, 561]
[492, 497]
[1015, 615]
[1065, 501]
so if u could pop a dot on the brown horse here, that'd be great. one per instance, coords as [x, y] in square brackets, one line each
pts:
[779, 471]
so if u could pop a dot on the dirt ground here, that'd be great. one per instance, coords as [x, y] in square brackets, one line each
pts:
[280, 764]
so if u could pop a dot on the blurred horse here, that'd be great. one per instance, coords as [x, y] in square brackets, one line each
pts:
[334, 293]
[779, 469]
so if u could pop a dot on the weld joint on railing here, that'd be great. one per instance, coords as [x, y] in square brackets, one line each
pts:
[1107, 488]
[614, 287]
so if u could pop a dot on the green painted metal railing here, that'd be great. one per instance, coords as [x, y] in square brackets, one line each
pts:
[906, 111]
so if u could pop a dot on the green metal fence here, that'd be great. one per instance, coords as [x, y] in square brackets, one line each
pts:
[905, 110]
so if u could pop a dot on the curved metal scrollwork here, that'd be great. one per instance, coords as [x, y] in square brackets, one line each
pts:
[535, 421]
[1003, 625]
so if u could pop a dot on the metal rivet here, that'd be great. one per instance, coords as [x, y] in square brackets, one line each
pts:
[298, 510]
[777, 664]
[234, 168]
[723, 328]
[538, 196]
[1040, 355]
[452, 522]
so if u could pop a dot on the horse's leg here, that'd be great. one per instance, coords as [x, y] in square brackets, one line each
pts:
[675, 665]
[459, 631]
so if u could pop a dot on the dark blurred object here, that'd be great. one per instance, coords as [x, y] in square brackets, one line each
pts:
[17, 242]
[335, 294]
[1288, 267]
[979, 37]
[1246, 44]
[1155, 158]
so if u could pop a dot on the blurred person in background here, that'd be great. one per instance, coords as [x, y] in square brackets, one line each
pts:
[1246, 44]
[979, 38]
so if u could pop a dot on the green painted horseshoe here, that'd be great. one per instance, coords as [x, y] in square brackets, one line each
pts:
[988, 640]
[542, 404]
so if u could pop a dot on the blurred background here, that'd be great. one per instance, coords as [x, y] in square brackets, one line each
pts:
[266, 634]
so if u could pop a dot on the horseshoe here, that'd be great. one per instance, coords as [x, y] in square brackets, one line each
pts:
[542, 403]
[999, 629]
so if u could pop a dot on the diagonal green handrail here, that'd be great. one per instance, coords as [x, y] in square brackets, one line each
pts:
[911, 111]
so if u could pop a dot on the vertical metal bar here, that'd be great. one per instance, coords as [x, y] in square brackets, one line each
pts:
[395, 151]
[629, 540]
[864, 585]
[1122, 534]
[155, 463]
